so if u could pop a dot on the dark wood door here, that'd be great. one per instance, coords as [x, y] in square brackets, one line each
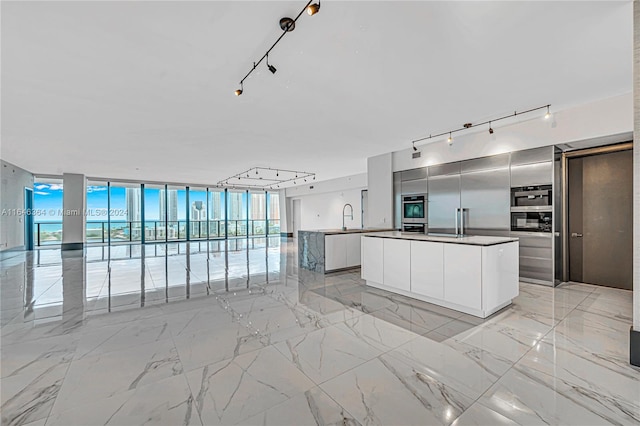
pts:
[601, 219]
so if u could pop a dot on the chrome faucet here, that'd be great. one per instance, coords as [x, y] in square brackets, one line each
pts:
[344, 228]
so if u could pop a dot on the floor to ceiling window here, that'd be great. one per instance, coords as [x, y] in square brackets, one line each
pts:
[217, 213]
[47, 205]
[258, 213]
[154, 213]
[197, 213]
[125, 212]
[176, 200]
[97, 214]
[273, 212]
[237, 211]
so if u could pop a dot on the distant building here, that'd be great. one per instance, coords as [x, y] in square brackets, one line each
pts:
[172, 203]
[198, 211]
[133, 204]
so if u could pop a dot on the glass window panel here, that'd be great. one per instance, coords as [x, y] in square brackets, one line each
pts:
[258, 206]
[154, 213]
[274, 213]
[237, 213]
[176, 213]
[217, 213]
[197, 213]
[125, 212]
[97, 212]
[47, 205]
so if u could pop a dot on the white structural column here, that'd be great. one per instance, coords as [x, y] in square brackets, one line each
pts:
[635, 333]
[74, 201]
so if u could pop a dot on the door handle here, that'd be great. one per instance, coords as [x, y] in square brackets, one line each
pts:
[576, 235]
[456, 216]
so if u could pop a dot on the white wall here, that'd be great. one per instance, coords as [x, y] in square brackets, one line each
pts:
[14, 181]
[600, 119]
[380, 191]
[74, 202]
[321, 203]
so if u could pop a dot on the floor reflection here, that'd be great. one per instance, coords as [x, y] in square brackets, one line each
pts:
[108, 278]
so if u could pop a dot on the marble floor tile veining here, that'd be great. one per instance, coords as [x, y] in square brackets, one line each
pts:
[217, 333]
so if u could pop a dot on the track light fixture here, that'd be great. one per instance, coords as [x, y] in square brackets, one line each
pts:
[286, 25]
[271, 67]
[238, 92]
[312, 9]
[265, 178]
[466, 126]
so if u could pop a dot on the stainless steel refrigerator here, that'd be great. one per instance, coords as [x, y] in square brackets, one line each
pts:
[470, 197]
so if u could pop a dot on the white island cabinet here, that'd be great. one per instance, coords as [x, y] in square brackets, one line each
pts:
[476, 275]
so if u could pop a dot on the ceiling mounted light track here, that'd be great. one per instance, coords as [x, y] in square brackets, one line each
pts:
[287, 25]
[466, 126]
[264, 178]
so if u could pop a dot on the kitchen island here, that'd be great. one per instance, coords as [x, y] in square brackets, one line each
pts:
[327, 250]
[477, 275]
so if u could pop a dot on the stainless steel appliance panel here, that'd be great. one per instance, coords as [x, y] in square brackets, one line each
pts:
[413, 174]
[536, 257]
[443, 205]
[397, 200]
[485, 163]
[418, 186]
[486, 198]
[535, 155]
[419, 228]
[532, 174]
[444, 169]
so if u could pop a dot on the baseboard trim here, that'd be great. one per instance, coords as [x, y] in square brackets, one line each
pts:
[634, 347]
[72, 246]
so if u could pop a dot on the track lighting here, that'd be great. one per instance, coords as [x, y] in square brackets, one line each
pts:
[271, 67]
[466, 126]
[286, 25]
[263, 178]
[312, 9]
[239, 91]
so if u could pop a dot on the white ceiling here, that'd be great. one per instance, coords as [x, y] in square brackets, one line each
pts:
[144, 90]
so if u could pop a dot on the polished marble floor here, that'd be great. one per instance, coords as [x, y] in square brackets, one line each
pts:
[234, 333]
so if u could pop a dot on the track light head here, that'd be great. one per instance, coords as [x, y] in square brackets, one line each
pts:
[314, 8]
[548, 114]
[450, 139]
[238, 92]
[272, 69]
[414, 146]
[490, 129]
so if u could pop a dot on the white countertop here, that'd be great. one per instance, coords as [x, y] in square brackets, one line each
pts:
[475, 240]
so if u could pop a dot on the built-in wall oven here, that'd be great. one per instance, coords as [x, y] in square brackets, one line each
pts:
[532, 223]
[414, 215]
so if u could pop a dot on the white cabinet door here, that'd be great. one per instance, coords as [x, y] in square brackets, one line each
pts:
[427, 269]
[463, 275]
[353, 250]
[397, 263]
[335, 252]
[372, 259]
